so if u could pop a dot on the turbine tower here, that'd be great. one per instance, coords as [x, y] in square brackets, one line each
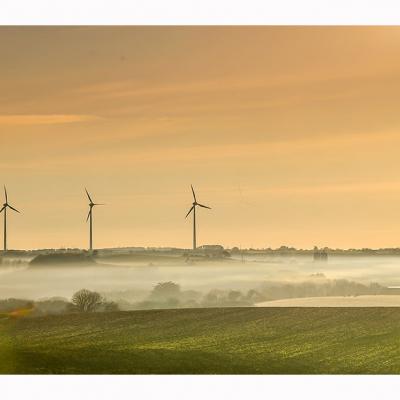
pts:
[5, 206]
[90, 216]
[195, 203]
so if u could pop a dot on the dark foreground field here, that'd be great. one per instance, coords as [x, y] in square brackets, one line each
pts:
[205, 341]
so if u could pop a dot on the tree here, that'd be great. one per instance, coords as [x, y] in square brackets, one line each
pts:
[234, 295]
[254, 297]
[213, 297]
[166, 291]
[86, 301]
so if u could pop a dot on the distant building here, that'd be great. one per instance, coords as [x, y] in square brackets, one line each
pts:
[211, 247]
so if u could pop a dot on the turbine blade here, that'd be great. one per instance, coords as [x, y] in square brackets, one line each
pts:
[189, 211]
[90, 211]
[5, 192]
[98, 204]
[12, 208]
[2, 209]
[201, 205]
[194, 195]
[88, 195]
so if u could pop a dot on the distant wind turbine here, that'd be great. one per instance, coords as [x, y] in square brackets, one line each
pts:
[195, 203]
[90, 216]
[5, 206]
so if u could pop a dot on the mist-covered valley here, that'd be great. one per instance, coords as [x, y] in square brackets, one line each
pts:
[130, 281]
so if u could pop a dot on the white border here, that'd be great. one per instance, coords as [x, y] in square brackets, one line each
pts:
[198, 387]
[199, 12]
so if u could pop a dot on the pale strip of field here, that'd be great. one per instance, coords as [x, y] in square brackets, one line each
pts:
[336, 301]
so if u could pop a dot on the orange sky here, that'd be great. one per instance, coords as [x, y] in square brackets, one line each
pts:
[291, 135]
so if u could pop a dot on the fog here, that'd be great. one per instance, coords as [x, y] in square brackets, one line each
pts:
[21, 281]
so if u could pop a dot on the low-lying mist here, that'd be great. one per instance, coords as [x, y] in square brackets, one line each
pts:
[19, 280]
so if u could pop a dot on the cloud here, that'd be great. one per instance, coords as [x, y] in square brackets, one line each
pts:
[44, 119]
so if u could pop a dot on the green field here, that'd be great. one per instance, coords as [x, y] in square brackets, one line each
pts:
[205, 341]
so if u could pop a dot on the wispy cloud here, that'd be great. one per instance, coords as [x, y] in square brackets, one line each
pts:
[44, 119]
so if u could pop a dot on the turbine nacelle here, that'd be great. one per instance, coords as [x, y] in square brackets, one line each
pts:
[6, 205]
[90, 217]
[195, 203]
[91, 205]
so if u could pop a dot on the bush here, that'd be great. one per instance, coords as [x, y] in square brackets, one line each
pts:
[51, 306]
[10, 305]
[108, 306]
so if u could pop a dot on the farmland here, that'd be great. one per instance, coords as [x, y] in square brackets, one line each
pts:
[205, 341]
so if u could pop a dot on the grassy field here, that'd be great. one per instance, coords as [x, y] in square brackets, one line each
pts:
[200, 341]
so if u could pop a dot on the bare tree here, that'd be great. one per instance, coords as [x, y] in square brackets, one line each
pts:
[86, 300]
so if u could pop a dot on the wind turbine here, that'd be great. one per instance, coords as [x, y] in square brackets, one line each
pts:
[195, 203]
[5, 206]
[90, 216]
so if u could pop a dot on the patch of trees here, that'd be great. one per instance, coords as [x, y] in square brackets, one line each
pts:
[51, 306]
[12, 262]
[226, 298]
[163, 295]
[82, 301]
[34, 308]
[62, 259]
[336, 287]
[170, 295]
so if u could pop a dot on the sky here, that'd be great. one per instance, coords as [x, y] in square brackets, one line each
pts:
[290, 134]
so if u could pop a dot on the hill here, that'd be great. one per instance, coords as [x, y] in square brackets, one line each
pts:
[198, 341]
[55, 259]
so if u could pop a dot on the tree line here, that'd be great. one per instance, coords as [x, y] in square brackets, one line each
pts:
[170, 295]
